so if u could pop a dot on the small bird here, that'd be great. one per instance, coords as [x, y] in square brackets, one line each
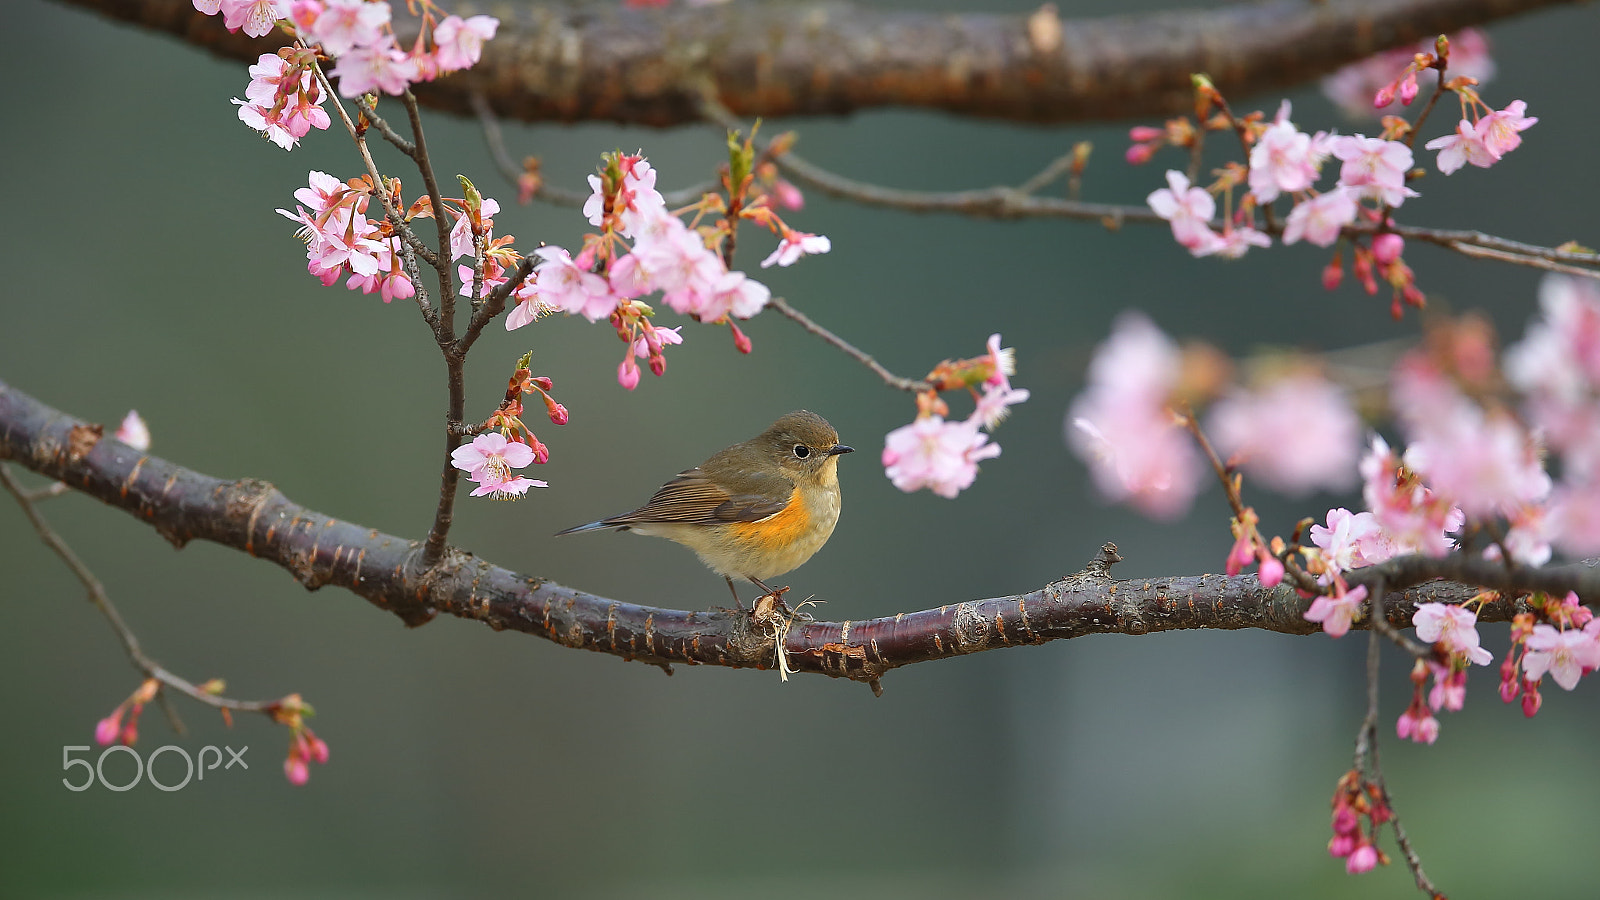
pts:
[757, 509]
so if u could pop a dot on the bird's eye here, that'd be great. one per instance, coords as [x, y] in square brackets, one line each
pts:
[801, 451]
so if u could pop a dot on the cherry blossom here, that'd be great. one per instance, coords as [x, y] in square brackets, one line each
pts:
[1320, 220]
[489, 461]
[1283, 160]
[936, 454]
[1374, 167]
[1339, 612]
[1453, 626]
[1565, 655]
[1464, 145]
[343, 25]
[1297, 434]
[794, 245]
[1189, 209]
[460, 41]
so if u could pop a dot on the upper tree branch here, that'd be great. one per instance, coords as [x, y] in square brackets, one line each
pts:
[252, 516]
[646, 66]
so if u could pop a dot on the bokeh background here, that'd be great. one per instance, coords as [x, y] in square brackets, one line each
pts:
[146, 269]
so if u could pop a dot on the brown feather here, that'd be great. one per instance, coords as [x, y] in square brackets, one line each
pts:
[692, 499]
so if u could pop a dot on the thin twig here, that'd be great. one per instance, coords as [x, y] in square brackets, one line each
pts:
[102, 601]
[895, 381]
[494, 138]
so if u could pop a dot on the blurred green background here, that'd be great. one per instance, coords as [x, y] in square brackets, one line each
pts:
[147, 270]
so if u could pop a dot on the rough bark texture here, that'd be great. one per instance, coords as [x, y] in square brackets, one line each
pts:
[650, 66]
[320, 550]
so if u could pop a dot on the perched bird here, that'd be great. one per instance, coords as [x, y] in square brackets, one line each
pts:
[757, 509]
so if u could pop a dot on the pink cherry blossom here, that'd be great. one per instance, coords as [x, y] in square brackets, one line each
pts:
[460, 41]
[379, 67]
[1449, 689]
[1297, 434]
[1413, 518]
[133, 431]
[1283, 160]
[1463, 146]
[1121, 427]
[461, 233]
[1486, 463]
[1374, 167]
[343, 25]
[1233, 242]
[1565, 655]
[1320, 220]
[665, 337]
[1453, 626]
[1350, 540]
[255, 17]
[563, 285]
[1189, 209]
[794, 245]
[935, 454]
[1417, 724]
[489, 461]
[1339, 612]
[1500, 130]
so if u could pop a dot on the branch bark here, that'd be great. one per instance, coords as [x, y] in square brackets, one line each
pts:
[318, 550]
[651, 66]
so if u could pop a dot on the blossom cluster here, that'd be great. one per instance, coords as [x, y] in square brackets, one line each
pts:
[1372, 180]
[359, 36]
[941, 454]
[642, 247]
[341, 240]
[508, 443]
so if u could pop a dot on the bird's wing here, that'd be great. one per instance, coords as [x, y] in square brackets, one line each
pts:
[692, 499]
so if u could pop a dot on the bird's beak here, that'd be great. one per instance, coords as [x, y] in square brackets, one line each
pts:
[837, 449]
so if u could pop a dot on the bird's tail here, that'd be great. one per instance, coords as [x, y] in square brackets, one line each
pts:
[592, 526]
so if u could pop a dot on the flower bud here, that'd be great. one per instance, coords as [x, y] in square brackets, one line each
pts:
[1387, 247]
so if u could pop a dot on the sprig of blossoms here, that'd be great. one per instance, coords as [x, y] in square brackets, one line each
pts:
[942, 455]
[1284, 161]
[641, 247]
[341, 240]
[507, 444]
[359, 36]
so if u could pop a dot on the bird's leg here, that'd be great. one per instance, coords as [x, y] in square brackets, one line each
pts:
[736, 601]
[776, 595]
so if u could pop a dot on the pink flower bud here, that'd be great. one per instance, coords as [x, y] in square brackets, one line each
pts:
[1271, 572]
[318, 749]
[788, 196]
[1341, 845]
[1531, 701]
[1363, 859]
[105, 731]
[1144, 133]
[1345, 821]
[658, 365]
[130, 732]
[1384, 97]
[740, 340]
[558, 413]
[296, 770]
[541, 452]
[1408, 88]
[1333, 272]
[542, 382]
[1387, 247]
[1139, 154]
[628, 373]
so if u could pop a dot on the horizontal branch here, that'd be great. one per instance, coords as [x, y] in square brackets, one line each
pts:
[648, 66]
[319, 550]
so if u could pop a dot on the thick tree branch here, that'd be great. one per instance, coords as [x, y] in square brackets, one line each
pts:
[646, 66]
[252, 516]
